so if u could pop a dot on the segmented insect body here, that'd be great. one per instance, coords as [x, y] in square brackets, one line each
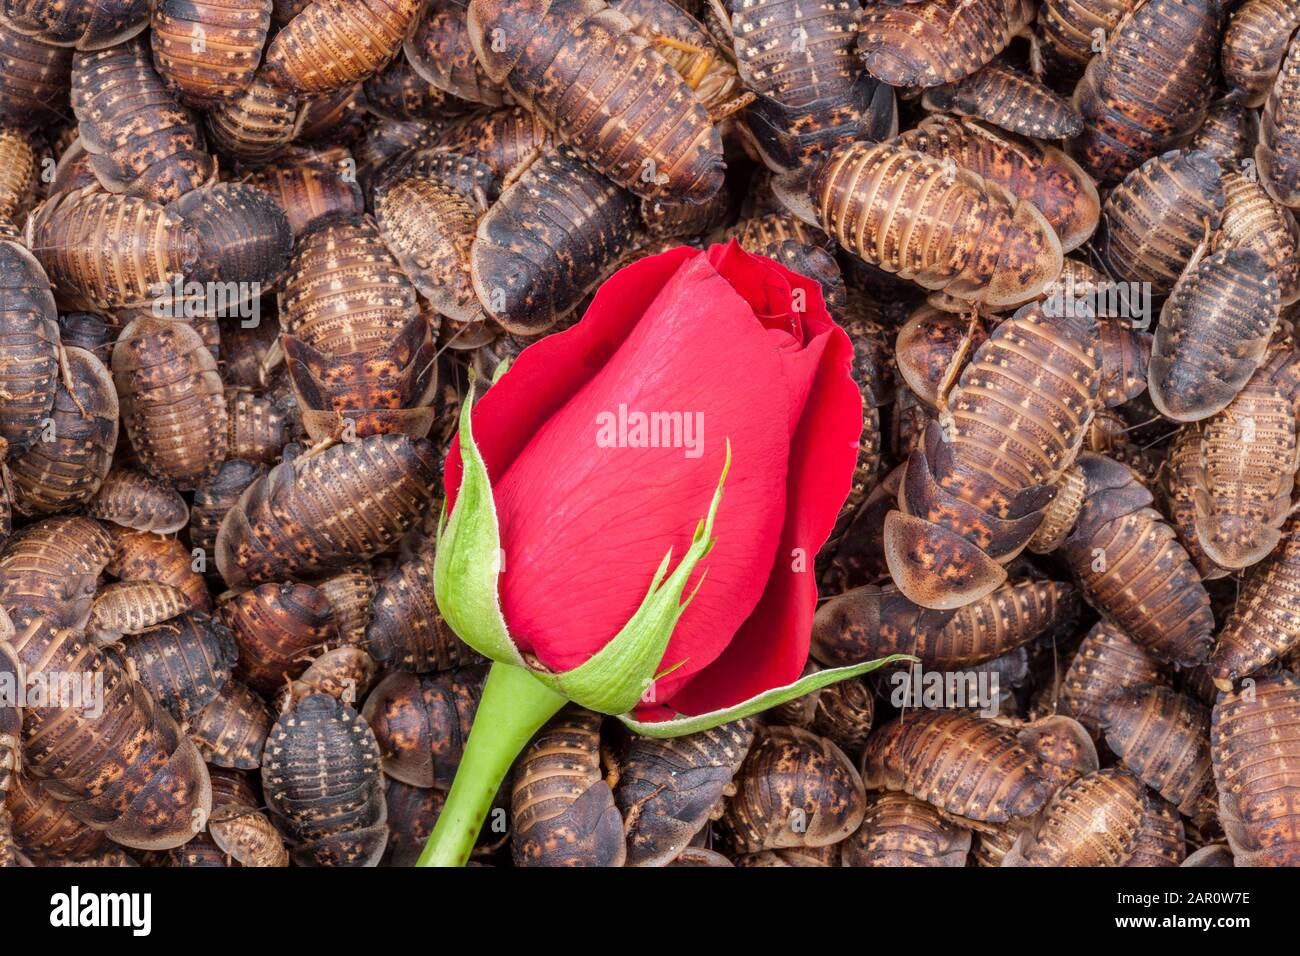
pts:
[668, 790]
[1005, 97]
[37, 77]
[345, 673]
[308, 193]
[51, 567]
[184, 663]
[1093, 821]
[18, 171]
[1252, 220]
[134, 500]
[255, 126]
[1212, 334]
[259, 430]
[1107, 661]
[244, 245]
[422, 723]
[172, 402]
[1264, 624]
[208, 50]
[910, 44]
[396, 92]
[29, 334]
[344, 504]
[332, 44]
[954, 232]
[145, 556]
[1043, 175]
[351, 593]
[900, 830]
[548, 241]
[87, 26]
[323, 786]
[11, 716]
[1255, 745]
[504, 139]
[412, 814]
[562, 809]
[103, 252]
[551, 53]
[1228, 134]
[239, 827]
[1162, 839]
[945, 757]
[1069, 33]
[141, 141]
[975, 491]
[277, 627]
[1278, 154]
[129, 607]
[408, 632]
[1149, 88]
[439, 50]
[1155, 220]
[232, 730]
[1163, 738]
[1254, 44]
[706, 61]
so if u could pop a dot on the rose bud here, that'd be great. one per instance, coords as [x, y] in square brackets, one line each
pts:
[634, 509]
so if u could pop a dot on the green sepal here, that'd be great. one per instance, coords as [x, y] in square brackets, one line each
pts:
[614, 679]
[467, 561]
[777, 695]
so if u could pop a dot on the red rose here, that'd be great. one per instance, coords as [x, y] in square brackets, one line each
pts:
[696, 350]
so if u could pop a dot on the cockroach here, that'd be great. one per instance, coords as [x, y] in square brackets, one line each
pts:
[37, 78]
[1163, 738]
[145, 556]
[928, 344]
[232, 729]
[412, 814]
[439, 50]
[1154, 221]
[794, 789]
[333, 44]
[423, 721]
[1212, 334]
[562, 811]
[1161, 840]
[94, 333]
[173, 408]
[975, 490]
[142, 142]
[207, 51]
[507, 140]
[668, 790]
[470, 176]
[277, 628]
[239, 827]
[812, 93]
[1254, 44]
[308, 193]
[323, 786]
[18, 186]
[51, 568]
[1125, 360]
[844, 714]
[11, 715]
[339, 117]
[981, 248]
[1264, 623]
[1255, 745]
[947, 758]
[1252, 220]
[900, 830]
[1093, 821]
[104, 252]
[44, 828]
[399, 93]
[1276, 155]
[255, 126]
[553, 53]
[342, 672]
[704, 61]
[699, 856]
[129, 607]
[258, 429]
[1228, 134]
[84, 26]
[1132, 111]
[184, 663]
[910, 44]
[135, 500]
[1069, 33]
[217, 495]
[408, 632]
[244, 244]
[351, 593]
[1005, 97]
[29, 333]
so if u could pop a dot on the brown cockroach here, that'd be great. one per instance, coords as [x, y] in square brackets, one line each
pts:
[668, 790]
[1069, 33]
[928, 344]
[812, 94]
[184, 663]
[551, 53]
[1125, 360]
[910, 44]
[173, 409]
[1252, 220]
[900, 830]
[351, 593]
[232, 729]
[1133, 110]
[342, 672]
[217, 495]
[145, 556]
[323, 786]
[1228, 134]
[244, 245]
[507, 140]
[407, 632]
[29, 334]
[439, 50]
[423, 721]
[844, 714]
[1213, 331]
[141, 141]
[333, 44]
[562, 811]
[94, 333]
[18, 183]
[472, 177]
[104, 252]
[1093, 821]
[1254, 44]
[1255, 745]
[44, 828]
[129, 607]
[258, 428]
[974, 492]
[946, 757]
[37, 77]
[699, 856]
[278, 627]
[706, 64]
[1007, 98]
[239, 827]
[1277, 156]
[1153, 222]
[308, 193]
[412, 814]
[982, 247]
[1183, 476]
[399, 93]
[84, 26]
[51, 567]
[257, 125]
[208, 50]
[1161, 840]
[1264, 623]
[11, 723]
[548, 241]
[339, 118]
[1162, 736]
[794, 789]
[135, 500]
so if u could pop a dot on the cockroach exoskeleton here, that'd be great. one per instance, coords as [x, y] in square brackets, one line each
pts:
[145, 556]
[37, 75]
[1162, 736]
[1161, 841]
[44, 828]
[244, 243]
[439, 50]
[257, 125]
[239, 827]
[208, 51]
[133, 499]
[323, 785]
[911, 44]
[1106, 662]
[1276, 156]
[334, 44]
[412, 814]
[130, 607]
[184, 663]
[1252, 220]
[342, 672]
[900, 830]
[1262, 626]
[1229, 134]
[1069, 33]
[277, 627]
[232, 730]
[1093, 821]
[1007, 98]
[408, 632]
[29, 331]
[214, 497]
[308, 193]
[84, 26]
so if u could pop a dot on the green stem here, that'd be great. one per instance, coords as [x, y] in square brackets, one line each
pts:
[514, 706]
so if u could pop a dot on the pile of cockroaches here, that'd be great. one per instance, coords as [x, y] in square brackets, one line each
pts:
[251, 250]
